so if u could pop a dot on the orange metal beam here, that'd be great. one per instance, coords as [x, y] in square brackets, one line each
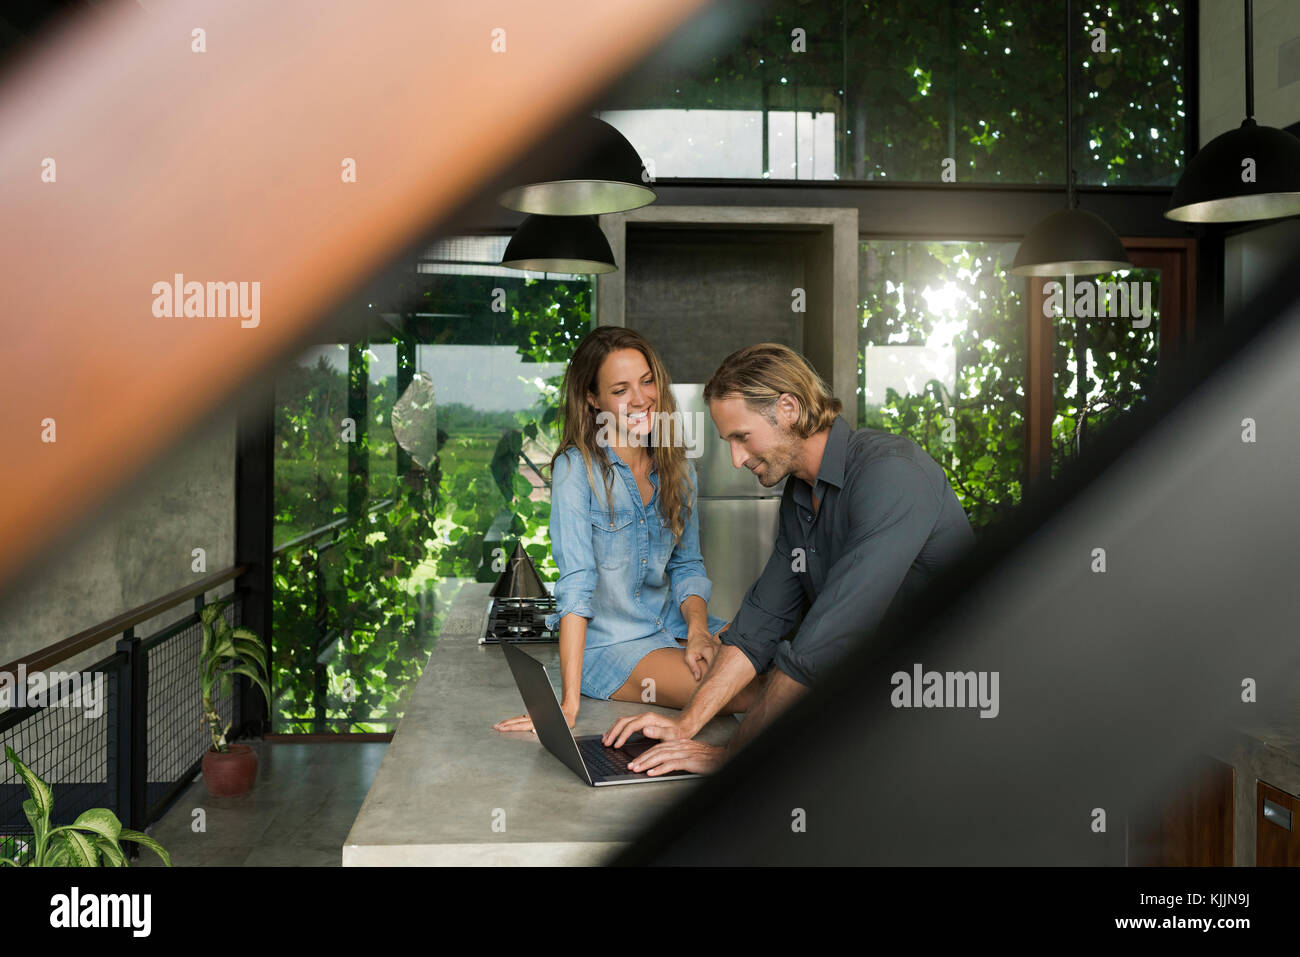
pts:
[129, 156]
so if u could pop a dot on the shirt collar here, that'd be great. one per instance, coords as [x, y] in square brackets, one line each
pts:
[834, 455]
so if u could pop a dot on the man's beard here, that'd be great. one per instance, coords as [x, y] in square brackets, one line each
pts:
[780, 461]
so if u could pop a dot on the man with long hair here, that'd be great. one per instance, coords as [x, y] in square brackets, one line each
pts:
[866, 519]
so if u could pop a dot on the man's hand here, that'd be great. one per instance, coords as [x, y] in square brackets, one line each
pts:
[658, 726]
[681, 755]
[701, 647]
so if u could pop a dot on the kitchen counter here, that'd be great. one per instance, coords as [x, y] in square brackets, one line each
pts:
[1267, 750]
[451, 791]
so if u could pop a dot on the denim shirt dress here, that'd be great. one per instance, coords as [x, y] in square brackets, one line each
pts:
[621, 571]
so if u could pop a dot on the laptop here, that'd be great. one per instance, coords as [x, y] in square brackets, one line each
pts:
[586, 756]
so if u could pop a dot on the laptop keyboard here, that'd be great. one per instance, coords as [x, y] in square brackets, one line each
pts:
[602, 761]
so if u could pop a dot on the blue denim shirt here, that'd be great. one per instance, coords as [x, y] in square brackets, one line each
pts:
[625, 576]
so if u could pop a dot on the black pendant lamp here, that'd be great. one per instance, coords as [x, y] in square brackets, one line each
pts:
[1072, 242]
[1212, 189]
[605, 178]
[569, 244]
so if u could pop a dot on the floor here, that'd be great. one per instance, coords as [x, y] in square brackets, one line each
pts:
[299, 813]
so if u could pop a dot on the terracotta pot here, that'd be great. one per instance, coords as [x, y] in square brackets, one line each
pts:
[230, 774]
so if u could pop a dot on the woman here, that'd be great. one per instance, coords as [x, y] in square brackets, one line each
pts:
[631, 598]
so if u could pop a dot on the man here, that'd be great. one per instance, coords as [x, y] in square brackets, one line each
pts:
[867, 517]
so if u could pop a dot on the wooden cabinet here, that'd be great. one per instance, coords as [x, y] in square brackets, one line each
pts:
[1277, 814]
[1191, 824]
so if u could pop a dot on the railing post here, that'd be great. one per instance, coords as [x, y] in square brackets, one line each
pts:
[131, 734]
[318, 688]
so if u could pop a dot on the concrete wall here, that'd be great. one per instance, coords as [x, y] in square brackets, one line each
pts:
[1223, 72]
[1253, 259]
[132, 552]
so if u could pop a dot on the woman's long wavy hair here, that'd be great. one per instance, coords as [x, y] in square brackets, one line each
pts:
[580, 429]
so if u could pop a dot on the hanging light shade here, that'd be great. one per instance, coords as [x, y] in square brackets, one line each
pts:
[1252, 172]
[1071, 242]
[1248, 173]
[1212, 189]
[572, 244]
[606, 178]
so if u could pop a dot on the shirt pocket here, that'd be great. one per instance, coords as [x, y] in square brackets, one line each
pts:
[611, 540]
[662, 543]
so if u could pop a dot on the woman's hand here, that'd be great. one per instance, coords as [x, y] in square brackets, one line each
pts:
[700, 650]
[525, 723]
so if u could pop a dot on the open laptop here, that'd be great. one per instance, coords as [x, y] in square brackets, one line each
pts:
[586, 756]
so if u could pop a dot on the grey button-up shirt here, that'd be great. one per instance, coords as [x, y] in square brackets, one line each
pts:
[887, 520]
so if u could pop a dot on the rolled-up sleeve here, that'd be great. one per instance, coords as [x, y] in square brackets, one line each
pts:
[769, 608]
[891, 510]
[685, 566]
[571, 539]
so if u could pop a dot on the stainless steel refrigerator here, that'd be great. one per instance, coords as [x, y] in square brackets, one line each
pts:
[738, 516]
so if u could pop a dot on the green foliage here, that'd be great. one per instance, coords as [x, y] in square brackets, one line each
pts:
[910, 84]
[442, 525]
[976, 433]
[92, 840]
[1122, 365]
[227, 652]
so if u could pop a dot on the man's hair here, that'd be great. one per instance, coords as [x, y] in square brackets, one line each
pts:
[759, 374]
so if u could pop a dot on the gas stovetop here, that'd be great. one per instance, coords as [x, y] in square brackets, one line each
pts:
[518, 619]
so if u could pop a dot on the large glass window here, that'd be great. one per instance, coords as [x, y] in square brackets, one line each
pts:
[373, 544]
[942, 361]
[890, 89]
[1109, 326]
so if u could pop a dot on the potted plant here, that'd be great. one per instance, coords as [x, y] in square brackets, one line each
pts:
[95, 834]
[229, 770]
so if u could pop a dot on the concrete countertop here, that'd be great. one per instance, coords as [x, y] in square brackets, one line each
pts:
[451, 791]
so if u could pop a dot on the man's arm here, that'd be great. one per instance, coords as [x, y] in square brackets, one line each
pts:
[772, 603]
[683, 754]
[731, 671]
[892, 510]
[779, 693]
[748, 645]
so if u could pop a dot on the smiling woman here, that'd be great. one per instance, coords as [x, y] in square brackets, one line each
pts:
[631, 600]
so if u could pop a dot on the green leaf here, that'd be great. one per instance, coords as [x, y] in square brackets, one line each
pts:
[243, 669]
[144, 840]
[101, 821]
[252, 637]
[40, 791]
[40, 822]
[109, 851]
[81, 852]
[57, 853]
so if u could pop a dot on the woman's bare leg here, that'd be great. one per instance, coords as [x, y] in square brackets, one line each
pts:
[673, 684]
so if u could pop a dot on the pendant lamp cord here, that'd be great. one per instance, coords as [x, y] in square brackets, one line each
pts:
[1250, 64]
[1069, 109]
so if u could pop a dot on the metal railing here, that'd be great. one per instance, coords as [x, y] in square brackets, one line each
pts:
[133, 741]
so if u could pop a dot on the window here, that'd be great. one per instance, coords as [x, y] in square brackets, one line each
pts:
[372, 546]
[889, 90]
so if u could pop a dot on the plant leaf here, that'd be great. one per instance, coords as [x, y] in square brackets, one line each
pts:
[57, 853]
[41, 792]
[242, 669]
[101, 821]
[250, 647]
[40, 823]
[110, 851]
[80, 852]
[144, 840]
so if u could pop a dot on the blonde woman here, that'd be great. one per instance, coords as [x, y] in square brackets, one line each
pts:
[631, 600]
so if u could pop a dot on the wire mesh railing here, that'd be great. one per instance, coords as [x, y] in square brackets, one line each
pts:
[125, 733]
